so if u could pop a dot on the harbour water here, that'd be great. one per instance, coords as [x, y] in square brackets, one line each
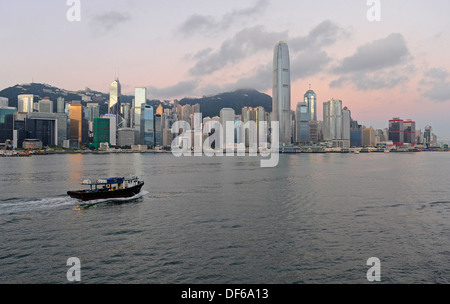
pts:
[315, 218]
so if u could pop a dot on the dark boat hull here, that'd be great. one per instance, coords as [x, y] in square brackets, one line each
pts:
[88, 195]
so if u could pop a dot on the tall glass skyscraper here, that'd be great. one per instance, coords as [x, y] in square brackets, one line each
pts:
[311, 101]
[147, 133]
[302, 123]
[114, 97]
[140, 97]
[333, 120]
[281, 92]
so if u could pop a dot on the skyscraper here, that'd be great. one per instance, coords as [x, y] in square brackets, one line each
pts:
[311, 101]
[147, 133]
[45, 105]
[140, 97]
[76, 123]
[281, 92]
[396, 131]
[114, 97]
[332, 120]
[302, 123]
[25, 103]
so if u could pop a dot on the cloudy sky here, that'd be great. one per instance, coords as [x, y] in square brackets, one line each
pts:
[398, 66]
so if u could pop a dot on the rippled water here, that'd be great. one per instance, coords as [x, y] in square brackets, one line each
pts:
[316, 218]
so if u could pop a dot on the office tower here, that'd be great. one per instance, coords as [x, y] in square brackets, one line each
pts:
[112, 128]
[396, 131]
[147, 133]
[45, 106]
[126, 137]
[158, 130]
[186, 112]
[6, 123]
[76, 124]
[428, 135]
[311, 101]
[101, 131]
[140, 98]
[346, 122]
[409, 129]
[60, 105]
[159, 110]
[260, 118]
[25, 103]
[355, 134]
[125, 111]
[332, 120]
[313, 131]
[302, 123]
[93, 111]
[226, 115]
[4, 102]
[368, 137]
[114, 97]
[281, 92]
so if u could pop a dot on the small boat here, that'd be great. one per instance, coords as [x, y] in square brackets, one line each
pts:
[113, 187]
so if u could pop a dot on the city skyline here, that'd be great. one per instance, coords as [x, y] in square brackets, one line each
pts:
[380, 70]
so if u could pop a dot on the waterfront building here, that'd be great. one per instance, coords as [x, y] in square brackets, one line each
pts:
[112, 128]
[302, 123]
[281, 92]
[6, 123]
[140, 98]
[409, 129]
[396, 131]
[147, 133]
[76, 124]
[25, 103]
[126, 137]
[368, 137]
[125, 111]
[226, 115]
[101, 131]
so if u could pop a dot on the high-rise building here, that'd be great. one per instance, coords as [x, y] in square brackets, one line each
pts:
[45, 106]
[126, 137]
[76, 124]
[125, 111]
[140, 98]
[93, 111]
[368, 137]
[158, 130]
[60, 105]
[6, 123]
[409, 129]
[311, 101]
[332, 120]
[114, 97]
[302, 123]
[112, 128]
[147, 133]
[226, 115]
[346, 122]
[25, 103]
[101, 131]
[4, 102]
[281, 92]
[396, 131]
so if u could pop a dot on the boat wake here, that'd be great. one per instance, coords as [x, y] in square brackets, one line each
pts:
[22, 205]
[19, 205]
[119, 200]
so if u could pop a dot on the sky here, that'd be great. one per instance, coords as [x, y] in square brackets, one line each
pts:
[395, 67]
